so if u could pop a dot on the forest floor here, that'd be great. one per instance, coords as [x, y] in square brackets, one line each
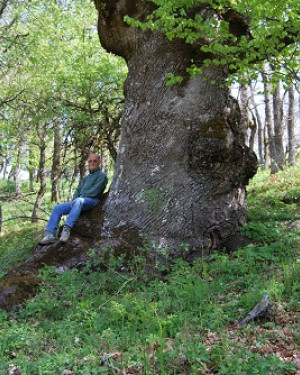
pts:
[121, 320]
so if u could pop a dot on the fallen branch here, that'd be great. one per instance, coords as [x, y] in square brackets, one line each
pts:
[105, 361]
[23, 199]
[15, 196]
[259, 310]
[22, 217]
[15, 218]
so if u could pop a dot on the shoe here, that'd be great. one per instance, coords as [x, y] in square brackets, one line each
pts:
[49, 238]
[65, 234]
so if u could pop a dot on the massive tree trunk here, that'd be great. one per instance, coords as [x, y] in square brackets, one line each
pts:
[182, 165]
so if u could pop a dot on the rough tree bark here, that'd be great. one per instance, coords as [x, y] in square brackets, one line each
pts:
[182, 165]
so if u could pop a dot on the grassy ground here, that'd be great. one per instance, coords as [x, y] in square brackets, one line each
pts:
[187, 323]
[18, 235]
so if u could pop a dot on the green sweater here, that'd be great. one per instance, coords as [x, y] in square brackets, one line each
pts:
[92, 185]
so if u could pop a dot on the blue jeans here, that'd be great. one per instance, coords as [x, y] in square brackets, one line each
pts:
[72, 209]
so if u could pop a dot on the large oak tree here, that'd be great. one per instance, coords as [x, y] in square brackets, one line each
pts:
[183, 164]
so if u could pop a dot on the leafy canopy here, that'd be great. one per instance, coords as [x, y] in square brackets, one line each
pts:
[238, 34]
[52, 68]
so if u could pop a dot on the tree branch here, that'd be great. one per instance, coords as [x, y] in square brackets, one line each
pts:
[3, 6]
[23, 217]
[258, 311]
[105, 360]
[6, 101]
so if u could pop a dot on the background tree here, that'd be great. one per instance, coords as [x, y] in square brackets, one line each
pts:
[244, 105]
[291, 127]
[270, 149]
[41, 130]
[278, 126]
[58, 64]
[56, 162]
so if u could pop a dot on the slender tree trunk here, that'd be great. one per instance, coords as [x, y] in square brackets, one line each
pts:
[182, 164]
[83, 168]
[56, 163]
[31, 180]
[1, 165]
[5, 171]
[260, 130]
[267, 156]
[244, 98]
[41, 174]
[253, 131]
[31, 169]
[278, 127]
[269, 134]
[291, 127]
[112, 135]
[105, 157]
[74, 175]
[4, 165]
[0, 219]
[17, 166]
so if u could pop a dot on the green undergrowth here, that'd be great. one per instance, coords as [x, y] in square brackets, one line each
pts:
[17, 245]
[18, 235]
[123, 321]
